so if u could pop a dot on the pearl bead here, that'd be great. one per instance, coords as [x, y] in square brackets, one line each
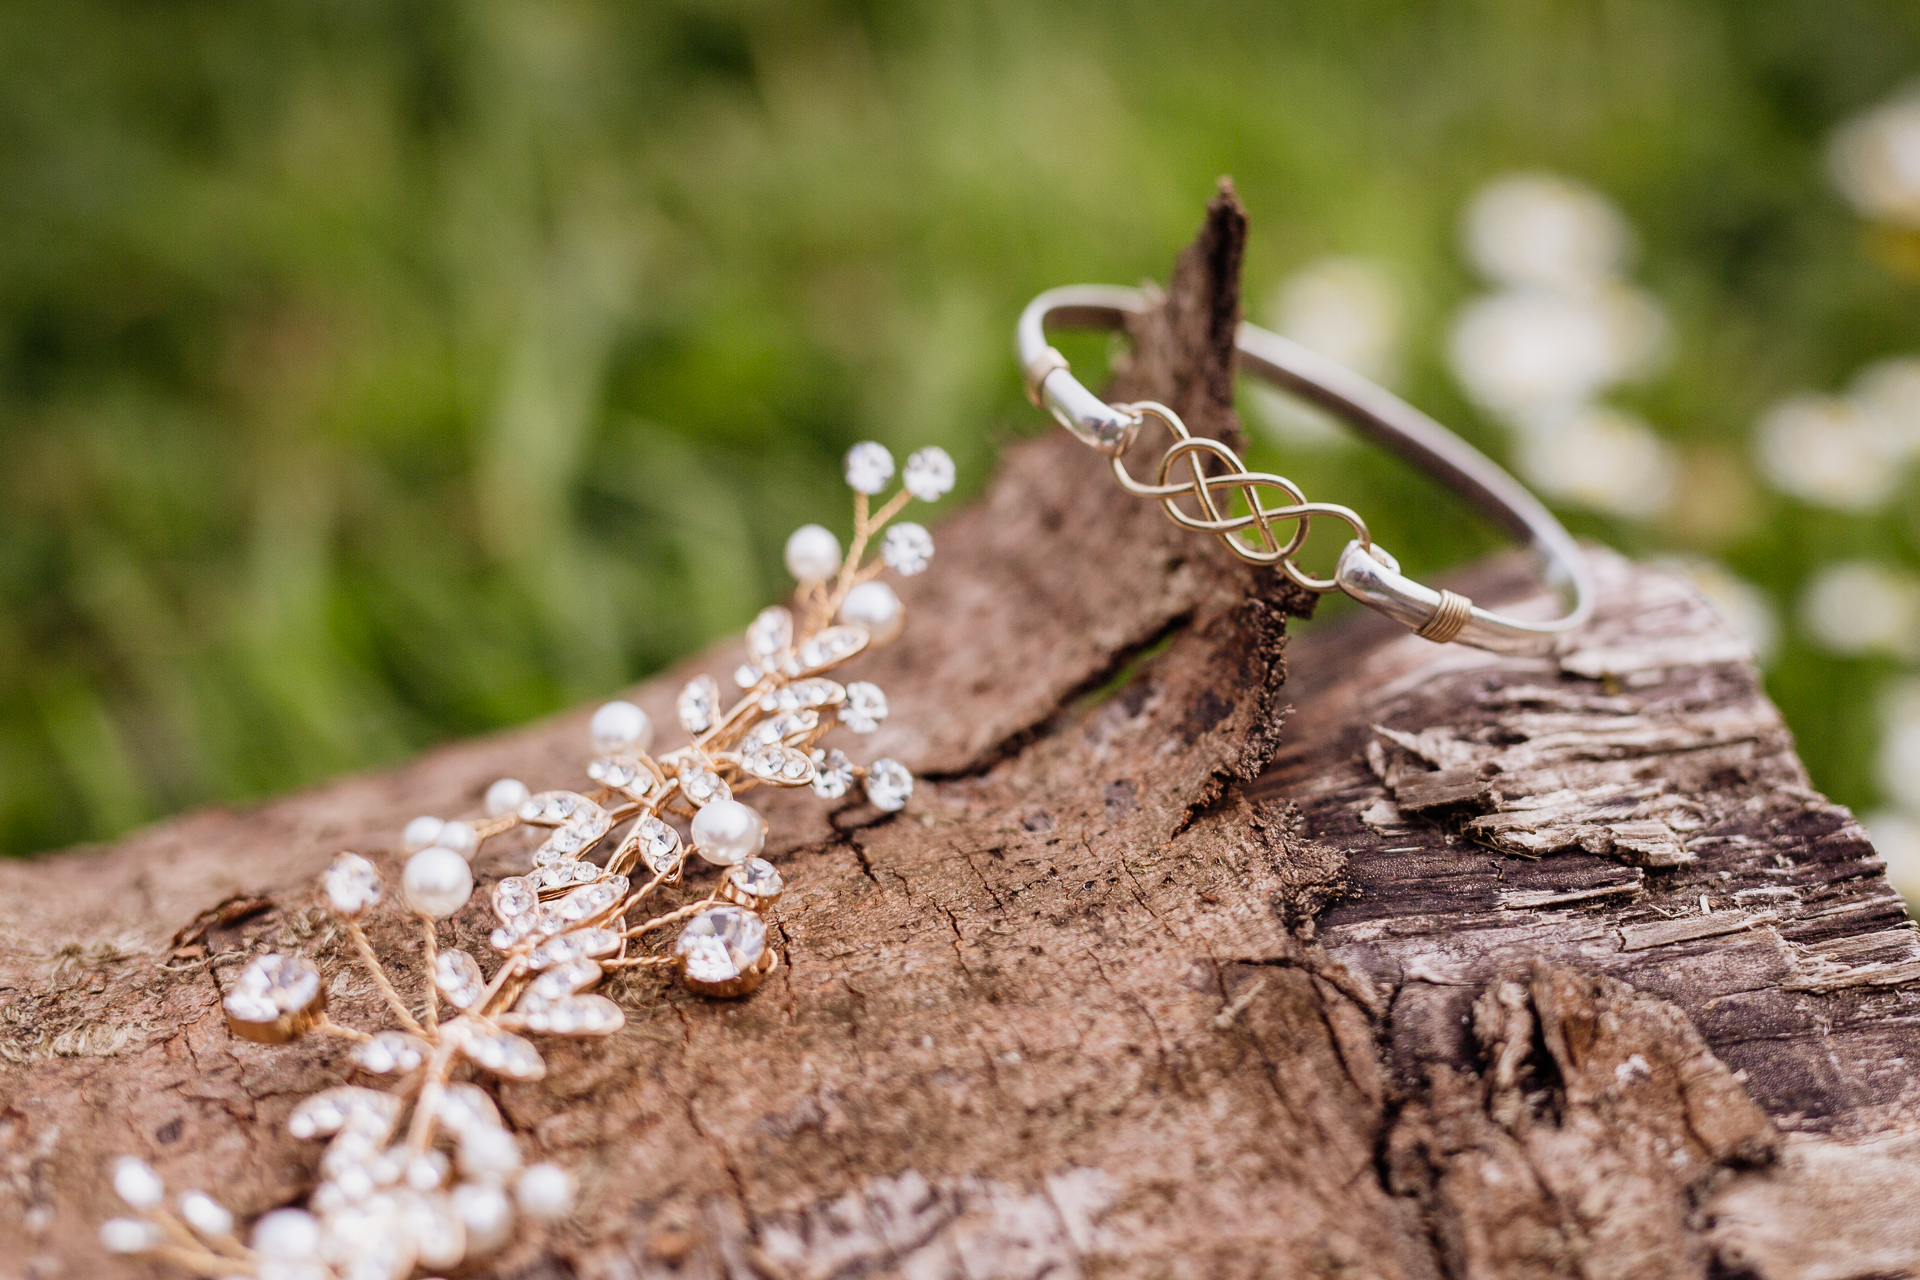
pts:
[813, 553]
[486, 1213]
[506, 796]
[289, 1235]
[437, 882]
[459, 837]
[138, 1185]
[205, 1214]
[544, 1191]
[874, 606]
[727, 832]
[489, 1154]
[422, 833]
[621, 724]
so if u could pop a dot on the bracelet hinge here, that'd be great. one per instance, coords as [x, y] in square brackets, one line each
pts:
[1043, 364]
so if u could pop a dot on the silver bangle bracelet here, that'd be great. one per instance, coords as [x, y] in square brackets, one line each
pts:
[1215, 476]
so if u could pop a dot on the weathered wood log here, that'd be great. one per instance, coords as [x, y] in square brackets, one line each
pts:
[1428, 963]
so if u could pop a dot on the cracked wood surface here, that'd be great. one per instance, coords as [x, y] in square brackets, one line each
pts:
[1480, 967]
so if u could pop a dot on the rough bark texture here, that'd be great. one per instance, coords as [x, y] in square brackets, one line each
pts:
[1484, 968]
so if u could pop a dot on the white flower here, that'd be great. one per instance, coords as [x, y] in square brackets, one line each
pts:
[1529, 350]
[1347, 309]
[907, 549]
[1900, 748]
[1887, 396]
[1599, 458]
[1546, 231]
[1876, 161]
[1860, 607]
[1820, 449]
[868, 467]
[1896, 838]
[930, 474]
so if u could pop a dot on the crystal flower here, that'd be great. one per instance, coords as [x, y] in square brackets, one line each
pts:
[352, 885]
[868, 467]
[930, 473]
[865, 708]
[907, 549]
[889, 785]
[832, 774]
[721, 943]
[273, 985]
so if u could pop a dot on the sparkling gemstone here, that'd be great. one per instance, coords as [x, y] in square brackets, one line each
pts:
[504, 1054]
[799, 694]
[699, 704]
[830, 646]
[907, 548]
[721, 943]
[565, 874]
[930, 473]
[573, 946]
[590, 900]
[782, 766]
[786, 725]
[551, 808]
[617, 773]
[391, 1052]
[832, 774]
[514, 898]
[889, 785]
[746, 675]
[564, 980]
[703, 786]
[587, 1015]
[352, 885]
[457, 976]
[866, 707]
[657, 844]
[868, 467]
[770, 633]
[758, 878]
[464, 1108]
[272, 986]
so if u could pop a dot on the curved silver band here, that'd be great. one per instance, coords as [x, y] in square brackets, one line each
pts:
[1368, 574]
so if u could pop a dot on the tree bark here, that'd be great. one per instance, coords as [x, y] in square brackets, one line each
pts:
[1480, 967]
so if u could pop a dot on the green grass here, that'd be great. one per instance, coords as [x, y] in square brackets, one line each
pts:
[375, 374]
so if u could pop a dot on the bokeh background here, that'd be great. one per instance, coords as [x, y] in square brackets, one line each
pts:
[374, 373]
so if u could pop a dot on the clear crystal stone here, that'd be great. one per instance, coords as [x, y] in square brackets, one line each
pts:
[907, 549]
[803, 693]
[865, 708]
[699, 704]
[758, 877]
[504, 1054]
[930, 474]
[703, 786]
[832, 774]
[782, 726]
[514, 898]
[466, 1107]
[830, 646]
[780, 765]
[573, 946]
[657, 844]
[391, 1052]
[564, 980]
[889, 785]
[352, 885]
[721, 943]
[770, 633]
[273, 986]
[551, 808]
[574, 1016]
[616, 772]
[457, 976]
[746, 675]
[868, 467]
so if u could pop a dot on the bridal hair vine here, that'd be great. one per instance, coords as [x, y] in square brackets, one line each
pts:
[424, 1174]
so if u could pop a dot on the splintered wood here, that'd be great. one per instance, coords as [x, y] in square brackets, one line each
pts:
[1427, 963]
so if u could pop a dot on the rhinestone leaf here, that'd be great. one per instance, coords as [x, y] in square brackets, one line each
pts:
[573, 946]
[787, 725]
[771, 633]
[699, 704]
[273, 985]
[831, 646]
[782, 766]
[466, 1107]
[551, 808]
[514, 900]
[721, 943]
[866, 707]
[889, 785]
[345, 1108]
[868, 467]
[391, 1052]
[832, 774]
[618, 772]
[352, 886]
[563, 980]
[590, 900]
[703, 786]
[457, 976]
[907, 549]
[562, 875]
[930, 474]
[504, 1054]
[803, 693]
[657, 844]
[574, 1016]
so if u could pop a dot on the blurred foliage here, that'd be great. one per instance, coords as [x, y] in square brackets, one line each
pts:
[377, 373]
